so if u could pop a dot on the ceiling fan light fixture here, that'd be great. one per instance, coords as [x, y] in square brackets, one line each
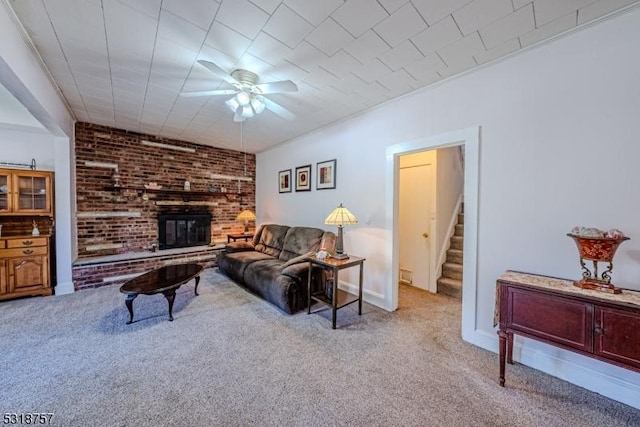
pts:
[243, 98]
[250, 97]
[233, 104]
[247, 111]
[257, 104]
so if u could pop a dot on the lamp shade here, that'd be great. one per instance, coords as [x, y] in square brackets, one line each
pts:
[340, 216]
[233, 104]
[246, 215]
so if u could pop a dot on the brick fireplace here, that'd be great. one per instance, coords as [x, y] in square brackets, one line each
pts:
[116, 222]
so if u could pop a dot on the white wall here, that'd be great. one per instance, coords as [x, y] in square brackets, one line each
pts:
[559, 147]
[20, 146]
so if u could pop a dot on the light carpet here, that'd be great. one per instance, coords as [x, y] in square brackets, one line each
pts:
[231, 359]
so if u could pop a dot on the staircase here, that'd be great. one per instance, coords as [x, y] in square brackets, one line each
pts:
[450, 283]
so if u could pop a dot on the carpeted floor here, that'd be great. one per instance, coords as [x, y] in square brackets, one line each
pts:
[231, 359]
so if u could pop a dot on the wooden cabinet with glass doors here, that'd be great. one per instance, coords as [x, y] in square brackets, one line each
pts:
[26, 192]
[25, 259]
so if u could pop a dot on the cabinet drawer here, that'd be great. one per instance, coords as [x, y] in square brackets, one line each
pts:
[26, 242]
[20, 252]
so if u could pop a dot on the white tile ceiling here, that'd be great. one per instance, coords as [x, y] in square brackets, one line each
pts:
[124, 63]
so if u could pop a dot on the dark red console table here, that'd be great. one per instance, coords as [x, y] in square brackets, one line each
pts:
[599, 325]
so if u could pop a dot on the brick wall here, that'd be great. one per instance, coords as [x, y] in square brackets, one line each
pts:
[121, 221]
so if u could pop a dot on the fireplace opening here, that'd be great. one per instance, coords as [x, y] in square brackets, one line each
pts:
[183, 230]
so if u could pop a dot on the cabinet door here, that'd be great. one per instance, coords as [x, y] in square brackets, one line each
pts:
[618, 335]
[32, 192]
[549, 318]
[5, 192]
[3, 276]
[28, 273]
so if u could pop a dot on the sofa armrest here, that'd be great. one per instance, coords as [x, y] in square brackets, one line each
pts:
[297, 271]
[300, 272]
[239, 247]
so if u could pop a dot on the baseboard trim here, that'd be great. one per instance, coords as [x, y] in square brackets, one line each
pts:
[614, 382]
[64, 288]
[369, 297]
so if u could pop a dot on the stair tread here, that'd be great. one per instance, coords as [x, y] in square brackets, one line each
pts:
[450, 281]
[451, 287]
[452, 265]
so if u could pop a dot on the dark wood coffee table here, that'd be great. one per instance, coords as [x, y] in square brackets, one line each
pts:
[165, 280]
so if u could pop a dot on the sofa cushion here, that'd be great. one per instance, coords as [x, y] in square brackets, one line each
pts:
[239, 247]
[272, 239]
[264, 279]
[234, 264]
[300, 240]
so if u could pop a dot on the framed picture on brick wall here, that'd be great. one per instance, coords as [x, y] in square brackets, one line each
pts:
[284, 181]
[326, 175]
[303, 178]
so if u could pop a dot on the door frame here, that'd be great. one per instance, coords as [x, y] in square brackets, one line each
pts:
[470, 138]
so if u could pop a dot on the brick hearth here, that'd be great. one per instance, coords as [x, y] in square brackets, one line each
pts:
[117, 269]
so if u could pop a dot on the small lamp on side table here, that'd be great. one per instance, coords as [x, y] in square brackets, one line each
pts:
[246, 216]
[340, 217]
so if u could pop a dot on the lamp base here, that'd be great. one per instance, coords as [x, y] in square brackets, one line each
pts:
[340, 246]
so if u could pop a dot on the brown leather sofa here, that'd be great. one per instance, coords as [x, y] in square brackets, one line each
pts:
[273, 265]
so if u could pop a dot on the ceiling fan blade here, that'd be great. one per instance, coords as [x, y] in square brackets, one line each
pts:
[276, 87]
[210, 92]
[218, 71]
[278, 109]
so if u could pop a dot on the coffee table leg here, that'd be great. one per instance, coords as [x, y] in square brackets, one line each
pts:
[197, 281]
[170, 295]
[129, 303]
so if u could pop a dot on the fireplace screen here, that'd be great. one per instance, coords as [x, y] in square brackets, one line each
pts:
[183, 230]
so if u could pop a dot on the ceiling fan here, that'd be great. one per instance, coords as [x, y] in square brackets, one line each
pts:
[248, 96]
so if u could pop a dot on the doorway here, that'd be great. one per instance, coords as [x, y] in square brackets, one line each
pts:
[470, 138]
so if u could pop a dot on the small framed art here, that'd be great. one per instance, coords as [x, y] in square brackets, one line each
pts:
[284, 181]
[303, 178]
[326, 175]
